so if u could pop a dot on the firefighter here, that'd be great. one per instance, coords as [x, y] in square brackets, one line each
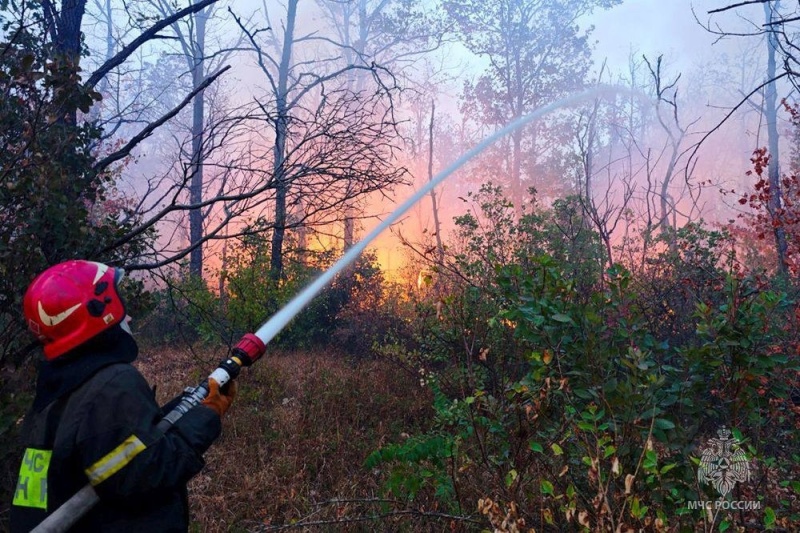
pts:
[94, 416]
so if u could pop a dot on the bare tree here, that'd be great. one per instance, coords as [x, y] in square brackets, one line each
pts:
[330, 144]
[391, 33]
[63, 27]
[604, 207]
[60, 196]
[204, 54]
[670, 122]
[633, 155]
[773, 169]
[437, 226]
[780, 42]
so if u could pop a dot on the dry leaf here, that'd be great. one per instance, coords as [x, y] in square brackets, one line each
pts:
[629, 483]
[483, 353]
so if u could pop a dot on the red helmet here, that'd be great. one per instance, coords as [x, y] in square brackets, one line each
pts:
[69, 303]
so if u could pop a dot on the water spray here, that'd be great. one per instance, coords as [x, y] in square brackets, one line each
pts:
[252, 345]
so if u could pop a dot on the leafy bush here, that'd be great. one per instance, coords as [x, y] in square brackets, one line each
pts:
[351, 310]
[676, 270]
[56, 204]
[562, 400]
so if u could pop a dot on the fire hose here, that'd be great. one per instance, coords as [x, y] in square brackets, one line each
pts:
[252, 345]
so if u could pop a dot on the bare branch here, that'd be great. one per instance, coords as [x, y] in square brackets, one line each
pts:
[146, 132]
[781, 21]
[734, 6]
[147, 35]
[732, 111]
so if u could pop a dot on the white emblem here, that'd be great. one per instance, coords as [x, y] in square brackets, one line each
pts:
[55, 320]
[723, 463]
[101, 269]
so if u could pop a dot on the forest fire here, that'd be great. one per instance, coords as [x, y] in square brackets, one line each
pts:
[504, 275]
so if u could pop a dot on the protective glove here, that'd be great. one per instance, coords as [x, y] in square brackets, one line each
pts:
[217, 400]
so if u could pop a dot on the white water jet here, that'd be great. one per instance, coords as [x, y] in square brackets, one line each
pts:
[279, 320]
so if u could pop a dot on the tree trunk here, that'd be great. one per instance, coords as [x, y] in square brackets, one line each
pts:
[302, 229]
[69, 29]
[64, 26]
[349, 228]
[281, 132]
[356, 84]
[516, 172]
[588, 156]
[103, 87]
[223, 275]
[667, 205]
[198, 126]
[437, 228]
[773, 168]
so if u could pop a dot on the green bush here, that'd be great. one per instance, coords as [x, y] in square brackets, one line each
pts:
[56, 205]
[560, 395]
[347, 311]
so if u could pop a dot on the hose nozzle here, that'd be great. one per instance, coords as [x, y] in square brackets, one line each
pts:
[249, 349]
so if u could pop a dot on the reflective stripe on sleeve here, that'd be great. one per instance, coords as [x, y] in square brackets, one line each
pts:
[115, 460]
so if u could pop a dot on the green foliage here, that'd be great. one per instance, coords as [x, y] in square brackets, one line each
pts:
[55, 204]
[464, 300]
[680, 268]
[186, 311]
[418, 462]
[536, 54]
[746, 358]
[567, 397]
[189, 310]
[253, 296]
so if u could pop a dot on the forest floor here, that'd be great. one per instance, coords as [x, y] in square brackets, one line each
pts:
[293, 445]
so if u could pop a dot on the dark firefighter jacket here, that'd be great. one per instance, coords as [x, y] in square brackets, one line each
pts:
[94, 421]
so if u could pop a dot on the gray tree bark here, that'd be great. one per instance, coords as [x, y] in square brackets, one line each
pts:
[773, 168]
[198, 126]
[437, 227]
[281, 132]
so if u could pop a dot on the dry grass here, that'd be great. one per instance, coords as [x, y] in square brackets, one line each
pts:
[294, 443]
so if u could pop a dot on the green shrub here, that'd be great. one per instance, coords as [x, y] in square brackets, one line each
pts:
[562, 396]
[349, 311]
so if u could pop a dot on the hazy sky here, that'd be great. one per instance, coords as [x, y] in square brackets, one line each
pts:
[654, 27]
